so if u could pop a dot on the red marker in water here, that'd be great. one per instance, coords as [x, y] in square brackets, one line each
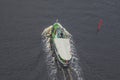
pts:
[99, 25]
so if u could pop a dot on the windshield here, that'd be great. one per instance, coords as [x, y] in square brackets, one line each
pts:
[60, 33]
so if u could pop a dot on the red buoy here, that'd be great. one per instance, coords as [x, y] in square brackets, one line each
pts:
[99, 25]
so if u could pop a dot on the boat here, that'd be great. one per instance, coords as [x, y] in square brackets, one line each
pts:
[59, 39]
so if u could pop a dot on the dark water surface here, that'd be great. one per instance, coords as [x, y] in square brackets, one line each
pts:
[21, 25]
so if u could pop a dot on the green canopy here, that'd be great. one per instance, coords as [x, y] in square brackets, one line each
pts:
[55, 27]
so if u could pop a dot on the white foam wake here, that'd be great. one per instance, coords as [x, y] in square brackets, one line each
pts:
[75, 62]
[52, 69]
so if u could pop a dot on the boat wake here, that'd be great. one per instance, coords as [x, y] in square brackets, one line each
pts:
[75, 66]
[52, 69]
[74, 70]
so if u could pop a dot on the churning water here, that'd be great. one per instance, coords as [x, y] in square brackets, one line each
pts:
[51, 65]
